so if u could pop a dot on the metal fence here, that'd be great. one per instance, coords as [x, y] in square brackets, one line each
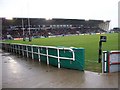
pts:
[57, 56]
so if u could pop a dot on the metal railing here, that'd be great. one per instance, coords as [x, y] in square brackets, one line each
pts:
[23, 48]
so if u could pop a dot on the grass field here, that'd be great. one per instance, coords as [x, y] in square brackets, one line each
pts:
[89, 42]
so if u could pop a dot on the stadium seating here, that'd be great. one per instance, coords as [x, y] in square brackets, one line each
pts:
[40, 27]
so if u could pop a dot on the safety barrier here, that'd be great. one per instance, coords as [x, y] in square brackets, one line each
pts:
[110, 61]
[58, 56]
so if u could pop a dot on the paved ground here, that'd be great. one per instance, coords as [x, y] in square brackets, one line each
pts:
[19, 72]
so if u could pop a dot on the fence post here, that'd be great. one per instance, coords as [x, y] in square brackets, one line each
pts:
[47, 55]
[58, 58]
[22, 50]
[32, 52]
[105, 59]
[19, 49]
[15, 49]
[27, 50]
[39, 53]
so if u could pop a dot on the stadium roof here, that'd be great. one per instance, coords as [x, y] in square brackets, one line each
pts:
[53, 21]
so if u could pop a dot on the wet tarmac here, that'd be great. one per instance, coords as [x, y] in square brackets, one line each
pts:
[19, 72]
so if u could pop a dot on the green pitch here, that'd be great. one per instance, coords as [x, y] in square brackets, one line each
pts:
[89, 42]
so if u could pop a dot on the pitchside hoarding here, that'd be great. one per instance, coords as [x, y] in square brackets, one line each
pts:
[110, 61]
[114, 61]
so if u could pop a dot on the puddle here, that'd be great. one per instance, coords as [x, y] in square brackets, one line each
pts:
[20, 73]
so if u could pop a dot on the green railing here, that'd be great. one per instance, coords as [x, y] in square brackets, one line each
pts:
[58, 56]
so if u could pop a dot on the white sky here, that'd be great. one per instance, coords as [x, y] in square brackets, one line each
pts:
[74, 9]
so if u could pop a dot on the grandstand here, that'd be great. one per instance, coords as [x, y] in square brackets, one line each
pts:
[115, 30]
[40, 27]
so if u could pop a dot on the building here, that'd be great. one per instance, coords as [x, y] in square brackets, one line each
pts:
[51, 27]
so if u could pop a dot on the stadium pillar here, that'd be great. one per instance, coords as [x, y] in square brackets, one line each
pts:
[102, 39]
[30, 39]
[23, 30]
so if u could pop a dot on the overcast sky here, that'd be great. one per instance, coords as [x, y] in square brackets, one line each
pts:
[74, 9]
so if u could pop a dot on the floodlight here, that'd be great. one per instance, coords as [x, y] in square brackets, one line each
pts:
[9, 18]
[48, 18]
